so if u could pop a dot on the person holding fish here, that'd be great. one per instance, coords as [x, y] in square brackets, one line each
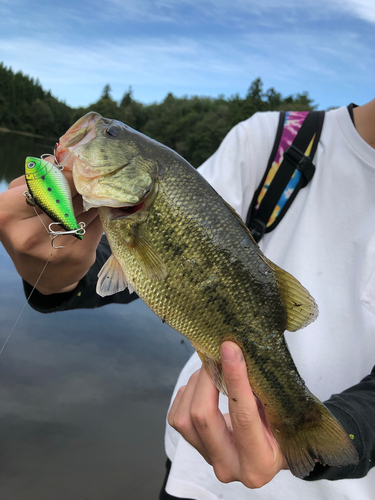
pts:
[187, 254]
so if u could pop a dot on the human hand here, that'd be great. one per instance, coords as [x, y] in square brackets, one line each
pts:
[29, 246]
[240, 446]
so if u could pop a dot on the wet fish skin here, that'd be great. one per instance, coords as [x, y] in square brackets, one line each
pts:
[191, 259]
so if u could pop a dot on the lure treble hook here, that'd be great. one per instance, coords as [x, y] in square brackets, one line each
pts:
[49, 155]
[55, 234]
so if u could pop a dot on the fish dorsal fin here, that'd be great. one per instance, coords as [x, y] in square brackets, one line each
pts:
[111, 279]
[301, 308]
[147, 257]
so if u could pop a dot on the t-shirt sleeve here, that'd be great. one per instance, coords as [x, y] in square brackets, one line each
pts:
[84, 296]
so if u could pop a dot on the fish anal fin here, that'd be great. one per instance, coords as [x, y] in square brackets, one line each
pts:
[215, 371]
[301, 308]
[325, 442]
[111, 278]
[147, 257]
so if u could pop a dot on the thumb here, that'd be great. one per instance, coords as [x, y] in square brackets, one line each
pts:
[234, 368]
[243, 407]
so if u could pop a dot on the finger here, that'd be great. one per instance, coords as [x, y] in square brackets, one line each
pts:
[179, 416]
[247, 424]
[182, 399]
[94, 229]
[28, 232]
[14, 207]
[242, 404]
[212, 428]
[69, 177]
[14, 203]
[19, 181]
[83, 250]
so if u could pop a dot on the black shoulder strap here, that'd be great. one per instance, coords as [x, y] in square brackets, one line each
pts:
[293, 172]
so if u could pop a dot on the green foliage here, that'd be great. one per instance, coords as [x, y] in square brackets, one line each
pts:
[25, 106]
[192, 126]
[106, 92]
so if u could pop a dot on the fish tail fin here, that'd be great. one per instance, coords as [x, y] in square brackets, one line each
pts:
[323, 441]
[320, 438]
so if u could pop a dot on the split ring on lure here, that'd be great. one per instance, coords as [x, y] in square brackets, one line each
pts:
[49, 189]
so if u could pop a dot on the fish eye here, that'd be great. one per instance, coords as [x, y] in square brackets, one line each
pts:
[31, 164]
[113, 130]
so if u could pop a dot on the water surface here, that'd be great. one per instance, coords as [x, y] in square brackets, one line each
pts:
[83, 394]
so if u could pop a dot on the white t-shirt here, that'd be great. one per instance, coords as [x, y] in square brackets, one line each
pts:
[327, 241]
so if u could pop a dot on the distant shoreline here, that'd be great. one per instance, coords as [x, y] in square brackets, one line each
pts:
[28, 134]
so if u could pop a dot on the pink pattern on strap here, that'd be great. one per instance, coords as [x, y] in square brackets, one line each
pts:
[292, 124]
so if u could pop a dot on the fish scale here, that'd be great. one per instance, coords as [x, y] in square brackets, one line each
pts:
[191, 259]
[185, 298]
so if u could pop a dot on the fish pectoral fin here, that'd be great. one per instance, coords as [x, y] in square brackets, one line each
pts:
[111, 279]
[301, 307]
[215, 371]
[147, 257]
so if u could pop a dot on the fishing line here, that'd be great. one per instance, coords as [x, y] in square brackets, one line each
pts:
[32, 291]
[25, 304]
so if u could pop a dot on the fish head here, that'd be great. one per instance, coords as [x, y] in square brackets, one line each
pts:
[113, 165]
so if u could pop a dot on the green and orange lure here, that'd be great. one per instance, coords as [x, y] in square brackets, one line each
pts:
[49, 189]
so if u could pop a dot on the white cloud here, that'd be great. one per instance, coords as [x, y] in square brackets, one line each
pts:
[187, 47]
[291, 62]
[364, 9]
[225, 11]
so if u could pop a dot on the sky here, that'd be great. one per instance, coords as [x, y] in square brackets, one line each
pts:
[193, 47]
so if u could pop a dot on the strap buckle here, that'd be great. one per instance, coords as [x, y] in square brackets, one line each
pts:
[257, 229]
[302, 163]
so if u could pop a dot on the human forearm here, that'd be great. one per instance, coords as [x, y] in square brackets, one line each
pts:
[84, 295]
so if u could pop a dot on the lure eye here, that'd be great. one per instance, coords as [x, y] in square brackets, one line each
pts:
[31, 164]
[113, 130]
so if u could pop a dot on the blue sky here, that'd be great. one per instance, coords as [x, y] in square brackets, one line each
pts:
[193, 47]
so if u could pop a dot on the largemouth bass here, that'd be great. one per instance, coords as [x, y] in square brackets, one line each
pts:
[192, 260]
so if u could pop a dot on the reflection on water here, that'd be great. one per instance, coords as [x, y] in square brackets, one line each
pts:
[13, 151]
[83, 394]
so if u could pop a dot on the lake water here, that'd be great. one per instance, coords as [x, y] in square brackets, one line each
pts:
[83, 394]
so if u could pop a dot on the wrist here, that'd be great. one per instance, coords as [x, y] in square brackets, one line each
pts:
[49, 290]
[46, 302]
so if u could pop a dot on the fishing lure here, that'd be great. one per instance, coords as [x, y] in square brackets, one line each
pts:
[49, 189]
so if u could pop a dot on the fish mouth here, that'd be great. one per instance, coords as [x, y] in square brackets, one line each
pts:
[81, 132]
[124, 212]
[127, 210]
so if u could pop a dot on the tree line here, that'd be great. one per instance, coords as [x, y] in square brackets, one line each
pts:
[192, 126]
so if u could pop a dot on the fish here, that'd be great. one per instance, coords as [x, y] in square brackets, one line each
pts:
[50, 190]
[192, 260]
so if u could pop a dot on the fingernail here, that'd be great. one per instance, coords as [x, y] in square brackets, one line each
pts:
[228, 354]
